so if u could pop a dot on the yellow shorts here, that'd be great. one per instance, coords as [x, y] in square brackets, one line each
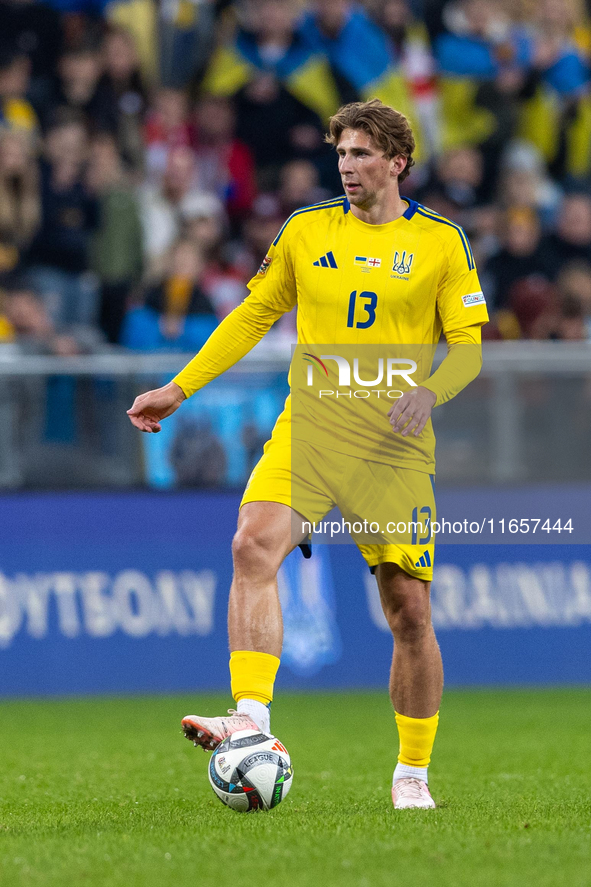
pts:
[388, 510]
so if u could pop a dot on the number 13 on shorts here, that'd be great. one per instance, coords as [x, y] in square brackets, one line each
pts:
[421, 525]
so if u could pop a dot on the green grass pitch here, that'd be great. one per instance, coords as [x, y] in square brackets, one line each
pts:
[107, 792]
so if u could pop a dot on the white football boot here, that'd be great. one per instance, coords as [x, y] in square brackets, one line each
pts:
[410, 792]
[209, 732]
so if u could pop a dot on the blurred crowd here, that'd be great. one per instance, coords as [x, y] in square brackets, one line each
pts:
[150, 151]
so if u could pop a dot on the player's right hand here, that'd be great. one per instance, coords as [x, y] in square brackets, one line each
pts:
[150, 408]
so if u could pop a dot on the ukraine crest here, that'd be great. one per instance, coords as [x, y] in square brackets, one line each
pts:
[402, 264]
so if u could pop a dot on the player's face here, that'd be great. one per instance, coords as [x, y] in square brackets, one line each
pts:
[367, 175]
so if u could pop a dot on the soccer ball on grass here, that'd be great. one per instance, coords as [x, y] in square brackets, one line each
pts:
[250, 771]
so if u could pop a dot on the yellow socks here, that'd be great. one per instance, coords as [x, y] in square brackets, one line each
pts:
[253, 675]
[417, 736]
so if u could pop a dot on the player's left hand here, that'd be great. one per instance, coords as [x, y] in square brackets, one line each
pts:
[411, 412]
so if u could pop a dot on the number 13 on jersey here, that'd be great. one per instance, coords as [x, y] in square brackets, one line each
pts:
[368, 302]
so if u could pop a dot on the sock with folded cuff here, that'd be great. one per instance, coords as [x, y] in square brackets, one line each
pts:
[253, 676]
[417, 736]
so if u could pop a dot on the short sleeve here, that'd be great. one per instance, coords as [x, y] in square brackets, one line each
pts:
[460, 300]
[274, 284]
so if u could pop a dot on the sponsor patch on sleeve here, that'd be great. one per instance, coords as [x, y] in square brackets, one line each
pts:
[265, 265]
[473, 299]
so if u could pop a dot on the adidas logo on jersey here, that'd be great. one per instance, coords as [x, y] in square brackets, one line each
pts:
[424, 560]
[326, 261]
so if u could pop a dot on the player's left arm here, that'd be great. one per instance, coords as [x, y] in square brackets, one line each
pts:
[462, 309]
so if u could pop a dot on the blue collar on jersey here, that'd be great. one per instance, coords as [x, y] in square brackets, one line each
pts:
[408, 214]
[412, 208]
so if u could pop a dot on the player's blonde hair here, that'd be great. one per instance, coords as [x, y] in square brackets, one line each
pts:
[389, 129]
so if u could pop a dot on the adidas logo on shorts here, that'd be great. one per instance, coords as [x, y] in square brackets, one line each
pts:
[424, 560]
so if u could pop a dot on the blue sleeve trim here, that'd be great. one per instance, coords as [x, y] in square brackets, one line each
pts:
[327, 204]
[427, 214]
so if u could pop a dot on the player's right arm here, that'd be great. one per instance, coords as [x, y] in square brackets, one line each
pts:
[272, 294]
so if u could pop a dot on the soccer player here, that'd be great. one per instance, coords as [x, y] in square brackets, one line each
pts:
[368, 268]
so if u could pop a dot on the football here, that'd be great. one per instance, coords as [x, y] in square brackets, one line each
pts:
[250, 771]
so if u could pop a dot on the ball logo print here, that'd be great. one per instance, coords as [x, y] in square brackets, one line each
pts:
[250, 771]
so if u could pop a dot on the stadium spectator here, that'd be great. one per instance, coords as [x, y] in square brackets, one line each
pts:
[524, 182]
[296, 132]
[522, 256]
[117, 243]
[267, 43]
[570, 322]
[457, 184]
[176, 314]
[560, 46]
[574, 282]
[15, 108]
[484, 61]
[572, 237]
[410, 46]
[187, 35]
[557, 112]
[81, 88]
[167, 128]
[35, 332]
[226, 165]
[20, 203]
[548, 314]
[259, 230]
[299, 186]
[123, 83]
[6, 328]
[35, 30]
[60, 251]
[162, 205]
[275, 76]
[141, 19]
[204, 222]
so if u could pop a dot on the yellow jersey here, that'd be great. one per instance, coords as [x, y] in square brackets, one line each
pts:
[355, 284]
[400, 283]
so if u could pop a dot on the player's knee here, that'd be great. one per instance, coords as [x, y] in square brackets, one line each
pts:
[252, 550]
[409, 617]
